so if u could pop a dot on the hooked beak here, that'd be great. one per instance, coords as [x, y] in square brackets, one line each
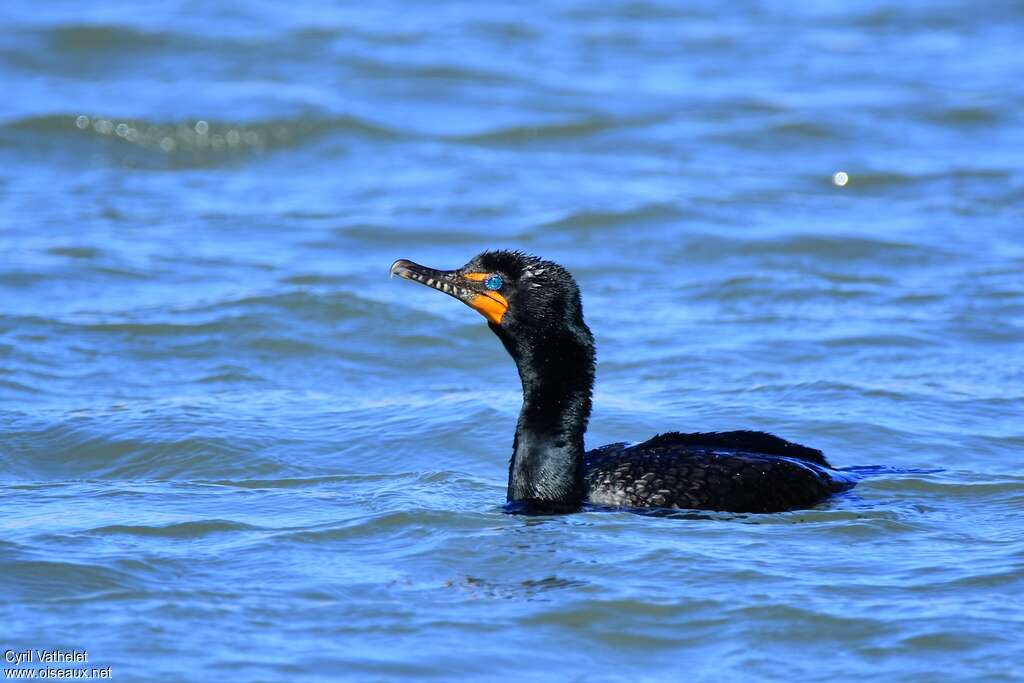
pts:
[466, 287]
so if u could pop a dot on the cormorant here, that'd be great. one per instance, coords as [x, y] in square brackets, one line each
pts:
[534, 308]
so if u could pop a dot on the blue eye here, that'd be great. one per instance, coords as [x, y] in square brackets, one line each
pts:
[494, 282]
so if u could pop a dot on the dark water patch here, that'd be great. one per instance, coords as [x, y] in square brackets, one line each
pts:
[86, 38]
[593, 611]
[829, 248]
[546, 132]
[919, 298]
[530, 590]
[871, 280]
[120, 272]
[21, 279]
[462, 75]
[396, 234]
[230, 375]
[868, 525]
[52, 580]
[604, 220]
[1009, 580]
[778, 287]
[965, 116]
[180, 530]
[784, 135]
[882, 180]
[18, 387]
[303, 304]
[314, 280]
[943, 642]
[407, 524]
[303, 482]
[803, 130]
[949, 487]
[804, 624]
[890, 341]
[155, 329]
[926, 18]
[118, 45]
[509, 31]
[631, 11]
[285, 347]
[136, 450]
[258, 323]
[593, 620]
[83, 253]
[844, 514]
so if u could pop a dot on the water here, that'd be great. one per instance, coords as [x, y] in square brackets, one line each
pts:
[232, 448]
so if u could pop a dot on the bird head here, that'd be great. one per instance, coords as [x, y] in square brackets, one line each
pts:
[519, 295]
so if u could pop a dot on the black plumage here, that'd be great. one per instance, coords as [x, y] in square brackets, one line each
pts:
[534, 308]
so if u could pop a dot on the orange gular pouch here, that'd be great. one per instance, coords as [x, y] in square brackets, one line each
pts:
[490, 305]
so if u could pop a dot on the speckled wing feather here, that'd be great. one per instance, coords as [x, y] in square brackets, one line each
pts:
[714, 471]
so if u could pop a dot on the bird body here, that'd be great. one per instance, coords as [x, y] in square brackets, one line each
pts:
[534, 308]
[735, 471]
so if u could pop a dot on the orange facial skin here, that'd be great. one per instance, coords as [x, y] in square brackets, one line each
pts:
[490, 305]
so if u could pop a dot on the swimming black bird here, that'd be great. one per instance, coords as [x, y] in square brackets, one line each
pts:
[534, 307]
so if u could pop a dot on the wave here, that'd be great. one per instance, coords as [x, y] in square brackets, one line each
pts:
[135, 443]
[250, 312]
[956, 486]
[462, 74]
[828, 247]
[592, 220]
[35, 579]
[197, 141]
[302, 482]
[772, 135]
[79, 38]
[548, 131]
[210, 136]
[179, 530]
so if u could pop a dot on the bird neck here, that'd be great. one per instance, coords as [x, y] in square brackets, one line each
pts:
[557, 374]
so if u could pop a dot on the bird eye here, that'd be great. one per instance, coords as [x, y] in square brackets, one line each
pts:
[494, 282]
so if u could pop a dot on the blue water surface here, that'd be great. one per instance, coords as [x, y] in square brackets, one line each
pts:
[231, 448]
